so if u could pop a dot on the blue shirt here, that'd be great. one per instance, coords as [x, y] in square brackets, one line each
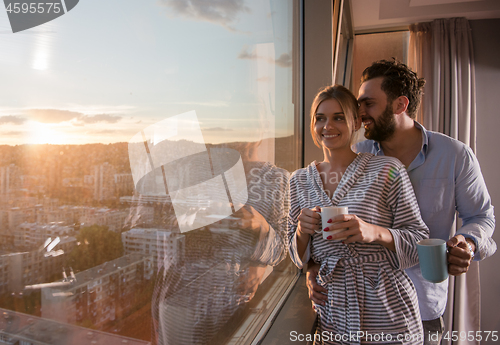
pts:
[446, 178]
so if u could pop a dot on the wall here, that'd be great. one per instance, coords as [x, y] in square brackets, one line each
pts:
[317, 64]
[486, 35]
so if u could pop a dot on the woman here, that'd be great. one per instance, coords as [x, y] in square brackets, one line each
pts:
[370, 297]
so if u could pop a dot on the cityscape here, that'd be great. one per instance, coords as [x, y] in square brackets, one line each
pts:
[86, 256]
[54, 201]
[79, 246]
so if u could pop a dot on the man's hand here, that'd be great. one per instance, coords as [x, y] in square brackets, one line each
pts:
[459, 256]
[317, 293]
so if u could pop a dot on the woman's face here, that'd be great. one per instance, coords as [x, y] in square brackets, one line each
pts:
[331, 126]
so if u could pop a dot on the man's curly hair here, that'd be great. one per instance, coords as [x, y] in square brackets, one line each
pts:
[399, 80]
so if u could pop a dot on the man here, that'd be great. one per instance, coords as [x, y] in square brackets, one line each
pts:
[444, 173]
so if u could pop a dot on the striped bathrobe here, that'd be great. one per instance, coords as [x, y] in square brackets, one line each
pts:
[368, 291]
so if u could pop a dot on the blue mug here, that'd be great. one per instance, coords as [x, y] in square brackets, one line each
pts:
[433, 261]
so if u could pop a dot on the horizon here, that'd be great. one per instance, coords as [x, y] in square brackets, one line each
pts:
[127, 142]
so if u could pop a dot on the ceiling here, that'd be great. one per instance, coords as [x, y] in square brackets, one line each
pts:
[383, 14]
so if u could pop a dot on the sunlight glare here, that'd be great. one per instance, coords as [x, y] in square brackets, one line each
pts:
[42, 48]
[46, 134]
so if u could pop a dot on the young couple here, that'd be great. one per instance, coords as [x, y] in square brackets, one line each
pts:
[369, 282]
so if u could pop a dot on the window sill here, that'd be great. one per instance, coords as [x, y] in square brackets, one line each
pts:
[296, 315]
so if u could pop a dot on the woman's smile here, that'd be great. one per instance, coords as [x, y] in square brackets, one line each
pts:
[330, 136]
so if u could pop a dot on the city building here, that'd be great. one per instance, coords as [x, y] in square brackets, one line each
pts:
[113, 219]
[124, 184]
[9, 179]
[34, 183]
[72, 182]
[100, 294]
[104, 188]
[162, 246]
[146, 210]
[17, 215]
[22, 268]
[68, 215]
[32, 235]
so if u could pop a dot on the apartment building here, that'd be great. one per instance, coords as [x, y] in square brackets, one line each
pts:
[100, 294]
[19, 269]
[104, 186]
[113, 219]
[9, 179]
[124, 184]
[66, 214]
[163, 247]
[32, 235]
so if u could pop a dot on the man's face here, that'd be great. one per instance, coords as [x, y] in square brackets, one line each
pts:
[376, 113]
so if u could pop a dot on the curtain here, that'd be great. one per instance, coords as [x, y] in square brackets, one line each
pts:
[441, 52]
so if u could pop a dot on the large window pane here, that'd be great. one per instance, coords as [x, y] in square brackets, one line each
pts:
[144, 161]
[372, 47]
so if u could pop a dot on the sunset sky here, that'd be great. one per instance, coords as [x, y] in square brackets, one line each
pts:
[108, 69]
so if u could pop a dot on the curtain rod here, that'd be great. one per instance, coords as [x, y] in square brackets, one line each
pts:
[382, 31]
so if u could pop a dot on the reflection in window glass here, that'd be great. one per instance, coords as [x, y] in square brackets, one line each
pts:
[144, 163]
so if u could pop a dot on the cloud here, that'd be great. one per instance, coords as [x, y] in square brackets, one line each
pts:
[77, 118]
[104, 131]
[285, 60]
[124, 134]
[215, 103]
[245, 54]
[53, 115]
[15, 120]
[99, 118]
[221, 12]
[13, 133]
[217, 129]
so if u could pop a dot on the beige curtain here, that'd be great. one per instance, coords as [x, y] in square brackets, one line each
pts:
[441, 52]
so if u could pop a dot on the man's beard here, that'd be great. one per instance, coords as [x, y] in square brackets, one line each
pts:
[383, 128]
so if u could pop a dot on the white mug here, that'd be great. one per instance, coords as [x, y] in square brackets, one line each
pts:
[328, 213]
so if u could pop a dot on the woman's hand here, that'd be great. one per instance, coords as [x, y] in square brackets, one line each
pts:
[360, 231]
[251, 219]
[309, 221]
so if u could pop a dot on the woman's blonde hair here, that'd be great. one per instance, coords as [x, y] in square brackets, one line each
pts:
[347, 101]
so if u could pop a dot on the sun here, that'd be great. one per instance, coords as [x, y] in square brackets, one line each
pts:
[41, 133]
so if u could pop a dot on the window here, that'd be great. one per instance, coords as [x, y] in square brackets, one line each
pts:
[125, 124]
[371, 47]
